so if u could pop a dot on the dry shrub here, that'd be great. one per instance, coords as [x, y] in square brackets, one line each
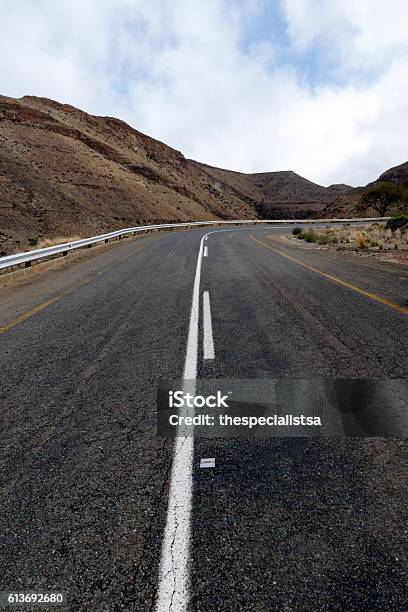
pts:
[361, 240]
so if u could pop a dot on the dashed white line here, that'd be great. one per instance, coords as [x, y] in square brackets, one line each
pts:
[208, 344]
[205, 251]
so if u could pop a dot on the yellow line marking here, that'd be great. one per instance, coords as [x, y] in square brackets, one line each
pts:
[29, 313]
[337, 280]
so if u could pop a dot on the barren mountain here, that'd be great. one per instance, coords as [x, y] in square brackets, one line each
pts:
[64, 172]
[275, 194]
[397, 174]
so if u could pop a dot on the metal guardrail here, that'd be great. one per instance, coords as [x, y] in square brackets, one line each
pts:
[28, 256]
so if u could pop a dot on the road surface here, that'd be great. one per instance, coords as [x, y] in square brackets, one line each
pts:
[286, 523]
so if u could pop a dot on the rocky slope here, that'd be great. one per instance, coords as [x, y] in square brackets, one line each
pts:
[66, 173]
[277, 194]
[398, 174]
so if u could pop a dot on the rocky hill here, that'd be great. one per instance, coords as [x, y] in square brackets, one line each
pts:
[276, 194]
[66, 173]
[398, 174]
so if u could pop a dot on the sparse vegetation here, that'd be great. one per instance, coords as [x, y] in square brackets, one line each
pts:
[375, 237]
[310, 235]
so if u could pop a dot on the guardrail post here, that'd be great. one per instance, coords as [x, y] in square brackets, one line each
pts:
[27, 264]
[64, 253]
[106, 240]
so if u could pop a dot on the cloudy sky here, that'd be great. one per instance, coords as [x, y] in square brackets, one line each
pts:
[316, 86]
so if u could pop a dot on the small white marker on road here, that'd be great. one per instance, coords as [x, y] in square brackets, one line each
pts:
[205, 251]
[209, 462]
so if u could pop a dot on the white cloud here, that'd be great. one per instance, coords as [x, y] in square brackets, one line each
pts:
[176, 69]
[361, 31]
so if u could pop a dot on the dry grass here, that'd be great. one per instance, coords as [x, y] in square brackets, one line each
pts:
[373, 237]
[49, 242]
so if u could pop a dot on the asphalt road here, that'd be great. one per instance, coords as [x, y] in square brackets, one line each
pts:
[283, 523]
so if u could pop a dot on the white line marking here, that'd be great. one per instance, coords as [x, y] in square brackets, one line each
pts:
[208, 333]
[207, 463]
[174, 577]
[205, 251]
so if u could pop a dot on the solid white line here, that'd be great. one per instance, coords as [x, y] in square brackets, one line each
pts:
[174, 579]
[208, 333]
[205, 251]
